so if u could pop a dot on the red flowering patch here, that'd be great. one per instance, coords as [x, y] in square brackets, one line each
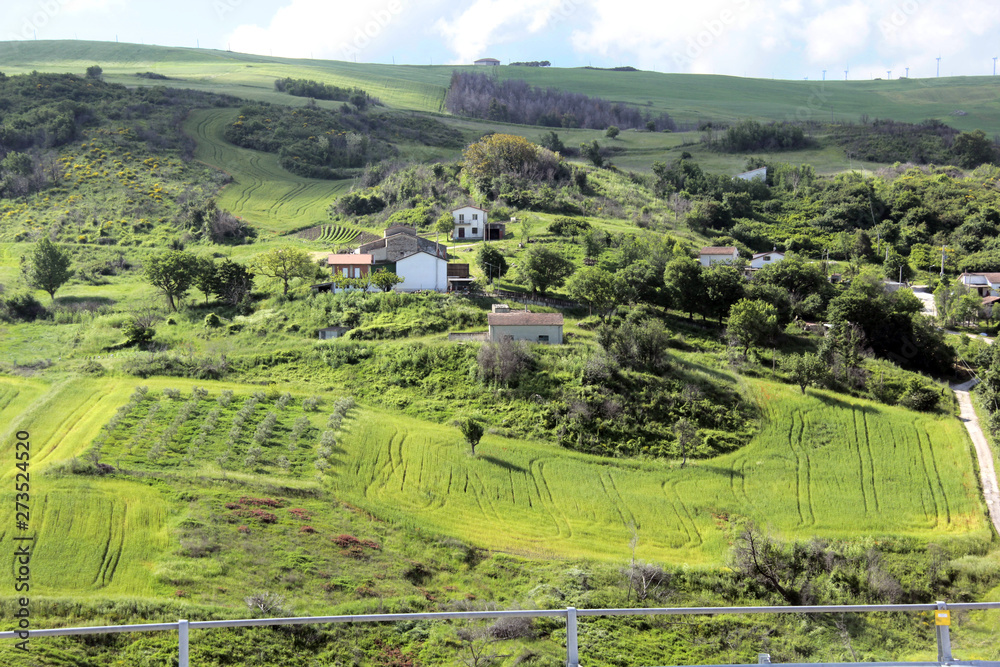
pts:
[244, 529]
[307, 529]
[300, 513]
[346, 541]
[260, 502]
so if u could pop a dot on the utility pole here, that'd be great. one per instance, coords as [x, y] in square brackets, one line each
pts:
[943, 249]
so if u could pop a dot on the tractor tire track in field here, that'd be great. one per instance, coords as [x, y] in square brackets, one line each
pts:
[808, 468]
[798, 467]
[937, 476]
[861, 463]
[621, 501]
[563, 527]
[69, 423]
[871, 460]
[613, 500]
[687, 513]
[927, 476]
[680, 520]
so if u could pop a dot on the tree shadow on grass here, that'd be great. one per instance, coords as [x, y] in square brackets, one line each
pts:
[503, 464]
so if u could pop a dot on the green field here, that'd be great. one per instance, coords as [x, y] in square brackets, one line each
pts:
[964, 102]
[853, 467]
[261, 190]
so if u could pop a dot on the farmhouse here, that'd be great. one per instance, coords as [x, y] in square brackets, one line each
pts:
[987, 284]
[350, 265]
[488, 61]
[762, 259]
[506, 324]
[716, 255]
[329, 333]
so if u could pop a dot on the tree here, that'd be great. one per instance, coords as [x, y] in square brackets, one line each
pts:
[233, 282]
[682, 279]
[205, 278]
[687, 438]
[896, 267]
[47, 268]
[285, 264]
[385, 280]
[94, 72]
[172, 273]
[491, 261]
[473, 431]
[597, 288]
[753, 323]
[651, 126]
[541, 268]
[973, 149]
[612, 131]
[445, 224]
[592, 152]
[806, 369]
[724, 286]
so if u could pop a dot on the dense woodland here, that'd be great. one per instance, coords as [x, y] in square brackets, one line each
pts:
[478, 95]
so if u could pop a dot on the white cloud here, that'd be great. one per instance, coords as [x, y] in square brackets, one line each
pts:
[838, 33]
[486, 23]
[323, 29]
[83, 6]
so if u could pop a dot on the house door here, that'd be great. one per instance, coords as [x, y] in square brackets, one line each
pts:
[461, 232]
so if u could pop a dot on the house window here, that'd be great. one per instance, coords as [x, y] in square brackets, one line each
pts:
[543, 339]
[475, 216]
[346, 274]
[767, 258]
[461, 232]
[461, 218]
[475, 231]
[507, 337]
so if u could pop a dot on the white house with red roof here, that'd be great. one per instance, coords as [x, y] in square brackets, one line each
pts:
[506, 324]
[718, 255]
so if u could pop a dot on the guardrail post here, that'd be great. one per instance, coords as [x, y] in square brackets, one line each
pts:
[572, 648]
[182, 631]
[942, 626]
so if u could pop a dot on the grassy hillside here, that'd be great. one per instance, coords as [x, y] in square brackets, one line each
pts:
[689, 98]
[261, 190]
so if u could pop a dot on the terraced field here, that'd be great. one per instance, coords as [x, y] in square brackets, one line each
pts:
[261, 191]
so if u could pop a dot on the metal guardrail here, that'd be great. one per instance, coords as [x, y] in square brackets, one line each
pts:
[942, 612]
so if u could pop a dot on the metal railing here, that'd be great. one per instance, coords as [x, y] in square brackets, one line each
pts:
[942, 613]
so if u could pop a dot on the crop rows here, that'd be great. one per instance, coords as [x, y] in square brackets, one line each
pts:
[264, 433]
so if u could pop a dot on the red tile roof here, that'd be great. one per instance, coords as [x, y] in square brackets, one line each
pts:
[345, 259]
[718, 251]
[522, 318]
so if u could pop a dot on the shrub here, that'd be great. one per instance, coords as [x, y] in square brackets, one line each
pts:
[213, 321]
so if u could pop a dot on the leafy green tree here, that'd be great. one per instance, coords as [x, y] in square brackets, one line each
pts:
[724, 286]
[552, 141]
[206, 278]
[172, 273]
[896, 266]
[472, 430]
[541, 268]
[385, 280]
[683, 280]
[807, 369]
[612, 131]
[284, 264]
[973, 149]
[753, 323]
[94, 72]
[592, 152]
[47, 267]
[234, 282]
[491, 261]
[687, 438]
[597, 288]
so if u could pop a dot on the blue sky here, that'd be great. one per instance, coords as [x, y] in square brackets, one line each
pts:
[788, 39]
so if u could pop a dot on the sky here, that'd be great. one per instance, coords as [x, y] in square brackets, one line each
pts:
[784, 39]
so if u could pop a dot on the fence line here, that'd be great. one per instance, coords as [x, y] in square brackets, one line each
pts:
[942, 613]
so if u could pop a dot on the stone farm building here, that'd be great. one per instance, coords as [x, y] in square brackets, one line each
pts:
[508, 324]
[487, 61]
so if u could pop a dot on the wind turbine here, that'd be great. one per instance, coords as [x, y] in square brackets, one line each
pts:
[994, 65]
[938, 66]
[994, 69]
[888, 74]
